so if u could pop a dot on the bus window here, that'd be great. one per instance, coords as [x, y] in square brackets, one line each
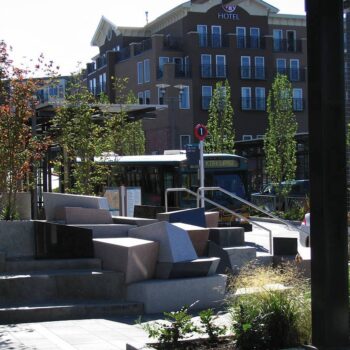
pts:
[230, 182]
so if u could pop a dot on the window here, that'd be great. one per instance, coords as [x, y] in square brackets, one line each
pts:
[215, 36]
[298, 99]
[184, 102]
[254, 38]
[260, 136]
[162, 62]
[260, 99]
[277, 39]
[202, 34]
[207, 92]
[294, 70]
[139, 72]
[160, 96]
[146, 73]
[102, 82]
[291, 40]
[147, 97]
[184, 140]
[206, 66]
[259, 69]
[187, 66]
[246, 101]
[94, 91]
[281, 65]
[220, 66]
[179, 70]
[247, 137]
[241, 37]
[245, 67]
[140, 97]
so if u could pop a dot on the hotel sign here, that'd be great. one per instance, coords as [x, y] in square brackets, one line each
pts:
[228, 13]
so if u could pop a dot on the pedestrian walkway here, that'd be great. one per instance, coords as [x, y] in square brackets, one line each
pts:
[90, 334]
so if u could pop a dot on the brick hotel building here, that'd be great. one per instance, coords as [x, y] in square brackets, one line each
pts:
[178, 58]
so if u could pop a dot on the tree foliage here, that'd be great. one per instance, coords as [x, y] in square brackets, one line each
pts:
[81, 138]
[279, 143]
[220, 123]
[20, 149]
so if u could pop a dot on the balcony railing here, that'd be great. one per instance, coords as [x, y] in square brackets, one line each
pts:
[173, 43]
[213, 40]
[142, 46]
[293, 74]
[124, 54]
[213, 71]
[253, 104]
[182, 71]
[101, 61]
[253, 72]
[250, 42]
[286, 45]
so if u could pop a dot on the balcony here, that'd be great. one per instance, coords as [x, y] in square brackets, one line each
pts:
[101, 61]
[183, 71]
[124, 54]
[213, 71]
[213, 41]
[173, 43]
[142, 46]
[253, 104]
[252, 72]
[285, 45]
[293, 74]
[250, 42]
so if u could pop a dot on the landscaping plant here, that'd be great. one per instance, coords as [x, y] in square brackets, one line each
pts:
[271, 308]
[207, 319]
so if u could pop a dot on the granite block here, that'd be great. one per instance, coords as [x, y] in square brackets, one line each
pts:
[174, 242]
[107, 230]
[187, 216]
[136, 258]
[285, 246]
[78, 215]
[227, 236]
[211, 218]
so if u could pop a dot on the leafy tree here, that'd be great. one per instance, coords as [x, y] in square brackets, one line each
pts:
[125, 136]
[279, 143]
[81, 138]
[220, 123]
[19, 148]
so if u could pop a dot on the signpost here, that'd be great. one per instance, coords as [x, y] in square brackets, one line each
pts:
[201, 132]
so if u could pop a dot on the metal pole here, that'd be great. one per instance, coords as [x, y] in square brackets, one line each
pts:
[201, 171]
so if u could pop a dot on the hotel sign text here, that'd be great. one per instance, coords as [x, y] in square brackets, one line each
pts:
[228, 13]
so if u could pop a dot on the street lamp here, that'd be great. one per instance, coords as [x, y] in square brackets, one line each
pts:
[172, 100]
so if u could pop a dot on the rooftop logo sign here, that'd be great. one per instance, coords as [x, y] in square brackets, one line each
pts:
[228, 13]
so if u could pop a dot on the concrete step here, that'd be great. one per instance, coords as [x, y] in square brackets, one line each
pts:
[22, 265]
[68, 310]
[43, 286]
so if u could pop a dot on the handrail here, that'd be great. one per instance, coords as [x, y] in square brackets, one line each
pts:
[247, 203]
[177, 189]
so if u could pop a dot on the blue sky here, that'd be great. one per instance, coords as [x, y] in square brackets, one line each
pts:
[62, 30]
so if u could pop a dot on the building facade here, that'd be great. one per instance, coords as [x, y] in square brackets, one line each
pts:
[178, 58]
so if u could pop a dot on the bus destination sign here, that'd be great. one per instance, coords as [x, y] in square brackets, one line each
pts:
[221, 163]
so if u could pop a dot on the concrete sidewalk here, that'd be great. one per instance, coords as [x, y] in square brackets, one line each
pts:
[90, 334]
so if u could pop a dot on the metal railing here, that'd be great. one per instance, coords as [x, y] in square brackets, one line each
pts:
[200, 194]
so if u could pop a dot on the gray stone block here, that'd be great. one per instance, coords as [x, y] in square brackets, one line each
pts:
[171, 295]
[78, 215]
[2, 261]
[198, 235]
[227, 236]
[201, 267]
[58, 200]
[133, 220]
[174, 242]
[211, 218]
[232, 259]
[107, 230]
[136, 258]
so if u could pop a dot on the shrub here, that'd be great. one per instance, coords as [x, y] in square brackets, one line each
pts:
[271, 308]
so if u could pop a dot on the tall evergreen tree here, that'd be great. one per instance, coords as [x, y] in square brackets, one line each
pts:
[279, 143]
[221, 133]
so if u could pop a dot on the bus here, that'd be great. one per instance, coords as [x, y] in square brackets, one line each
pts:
[155, 173]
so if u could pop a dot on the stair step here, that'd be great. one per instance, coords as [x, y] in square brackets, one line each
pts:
[21, 265]
[41, 286]
[68, 310]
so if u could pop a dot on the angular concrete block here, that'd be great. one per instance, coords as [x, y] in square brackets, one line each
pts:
[187, 216]
[133, 220]
[58, 200]
[201, 267]
[232, 259]
[136, 258]
[78, 215]
[171, 295]
[285, 246]
[2, 261]
[107, 230]
[211, 218]
[198, 235]
[227, 236]
[174, 242]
